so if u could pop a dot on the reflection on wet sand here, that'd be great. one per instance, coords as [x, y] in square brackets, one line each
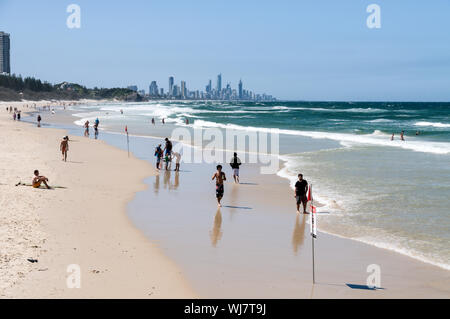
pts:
[156, 184]
[299, 233]
[177, 180]
[216, 232]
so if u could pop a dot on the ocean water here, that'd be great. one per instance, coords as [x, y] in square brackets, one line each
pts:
[391, 194]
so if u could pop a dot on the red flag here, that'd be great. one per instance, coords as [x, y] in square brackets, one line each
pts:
[313, 209]
[126, 129]
[310, 194]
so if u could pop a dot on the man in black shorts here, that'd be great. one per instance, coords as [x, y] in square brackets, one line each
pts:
[301, 189]
[220, 177]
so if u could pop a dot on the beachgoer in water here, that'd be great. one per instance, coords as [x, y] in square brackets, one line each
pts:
[393, 136]
[235, 165]
[86, 129]
[301, 188]
[220, 177]
[402, 135]
[38, 180]
[153, 121]
[64, 147]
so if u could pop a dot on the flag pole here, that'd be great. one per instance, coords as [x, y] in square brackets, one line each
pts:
[128, 141]
[313, 236]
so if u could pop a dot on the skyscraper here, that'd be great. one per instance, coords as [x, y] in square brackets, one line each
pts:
[153, 89]
[240, 90]
[183, 89]
[219, 83]
[171, 81]
[5, 63]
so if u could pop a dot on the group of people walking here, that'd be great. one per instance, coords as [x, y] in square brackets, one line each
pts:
[167, 155]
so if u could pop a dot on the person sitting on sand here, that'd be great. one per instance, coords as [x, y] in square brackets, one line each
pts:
[38, 180]
[220, 177]
[64, 147]
[301, 189]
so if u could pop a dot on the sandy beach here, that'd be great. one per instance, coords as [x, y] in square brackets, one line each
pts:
[83, 224]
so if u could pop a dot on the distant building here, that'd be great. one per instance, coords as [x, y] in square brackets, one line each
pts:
[241, 93]
[219, 84]
[171, 81]
[183, 89]
[133, 88]
[5, 62]
[153, 89]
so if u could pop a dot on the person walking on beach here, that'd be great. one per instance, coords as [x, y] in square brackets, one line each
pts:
[402, 135]
[159, 156]
[235, 164]
[178, 160]
[18, 115]
[86, 129]
[14, 115]
[64, 147]
[39, 119]
[220, 177]
[38, 180]
[168, 147]
[153, 121]
[301, 189]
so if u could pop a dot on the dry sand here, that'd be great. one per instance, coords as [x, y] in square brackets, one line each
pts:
[85, 224]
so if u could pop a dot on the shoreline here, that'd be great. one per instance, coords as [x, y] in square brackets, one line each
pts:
[375, 242]
[85, 224]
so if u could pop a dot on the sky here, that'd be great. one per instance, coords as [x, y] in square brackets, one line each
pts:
[295, 50]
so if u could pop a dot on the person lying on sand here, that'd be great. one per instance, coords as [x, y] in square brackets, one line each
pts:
[38, 180]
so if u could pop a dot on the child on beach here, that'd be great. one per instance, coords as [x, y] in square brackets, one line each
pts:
[64, 147]
[178, 160]
[38, 180]
[168, 160]
[220, 177]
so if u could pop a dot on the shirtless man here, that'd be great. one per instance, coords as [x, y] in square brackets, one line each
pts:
[38, 180]
[64, 147]
[220, 177]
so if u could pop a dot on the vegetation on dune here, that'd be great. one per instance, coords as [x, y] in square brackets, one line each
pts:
[16, 88]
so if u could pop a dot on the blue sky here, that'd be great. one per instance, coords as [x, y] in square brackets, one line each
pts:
[308, 50]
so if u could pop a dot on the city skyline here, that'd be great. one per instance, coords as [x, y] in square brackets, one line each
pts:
[218, 93]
